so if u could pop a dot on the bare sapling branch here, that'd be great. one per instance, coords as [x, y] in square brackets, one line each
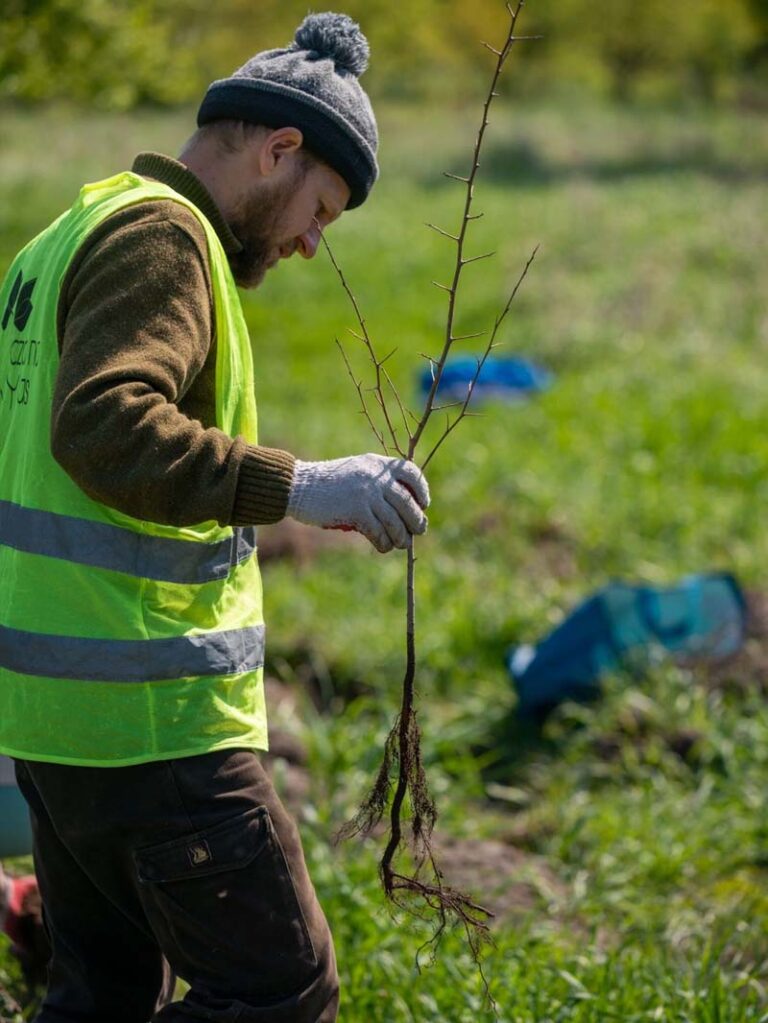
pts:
[468, 337]
[361, 394]
[365, 338]
[475, 259]
[449, 404]
[480, 363]
[404, 411]
[445, 234]
[401, 781]
[501, 58]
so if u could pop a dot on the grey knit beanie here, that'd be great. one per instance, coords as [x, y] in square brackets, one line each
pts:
[310, 85]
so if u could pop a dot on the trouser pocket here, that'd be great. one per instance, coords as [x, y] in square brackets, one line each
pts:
[225, 909]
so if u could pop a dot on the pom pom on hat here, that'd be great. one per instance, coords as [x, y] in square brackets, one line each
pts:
[336, 37]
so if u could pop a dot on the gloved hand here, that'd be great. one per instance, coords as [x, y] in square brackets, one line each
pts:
[380, 497]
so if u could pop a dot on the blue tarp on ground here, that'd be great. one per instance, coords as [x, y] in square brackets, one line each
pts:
[504, 378]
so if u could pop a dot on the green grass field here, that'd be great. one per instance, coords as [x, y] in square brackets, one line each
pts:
[630, 873]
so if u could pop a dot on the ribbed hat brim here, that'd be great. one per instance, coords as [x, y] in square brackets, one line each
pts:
[275, 105]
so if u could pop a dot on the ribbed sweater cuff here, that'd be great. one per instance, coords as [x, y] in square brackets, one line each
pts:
[263, 486]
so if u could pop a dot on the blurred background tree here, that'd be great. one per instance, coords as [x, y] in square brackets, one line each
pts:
[113, 53]
[695, 47]
[123, 53]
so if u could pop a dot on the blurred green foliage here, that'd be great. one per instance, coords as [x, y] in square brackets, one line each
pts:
[121, 53]
[696, 45]
[115, 55]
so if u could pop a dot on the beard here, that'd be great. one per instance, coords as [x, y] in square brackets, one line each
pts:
[255, 222]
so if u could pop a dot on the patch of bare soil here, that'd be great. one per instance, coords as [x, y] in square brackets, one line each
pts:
[286, 759]
[289, 540]
[505, 879]
[329, 688]
[684, 742]
[553, 551]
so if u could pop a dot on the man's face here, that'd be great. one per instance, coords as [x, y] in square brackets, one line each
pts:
[277, 218]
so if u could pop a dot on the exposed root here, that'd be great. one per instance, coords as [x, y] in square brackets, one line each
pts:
[403, 747]
[373, 807]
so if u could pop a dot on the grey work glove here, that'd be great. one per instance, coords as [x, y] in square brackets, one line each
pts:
[380, 497]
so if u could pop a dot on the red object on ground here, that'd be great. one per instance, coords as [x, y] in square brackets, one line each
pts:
[24, 926]
[24, 902]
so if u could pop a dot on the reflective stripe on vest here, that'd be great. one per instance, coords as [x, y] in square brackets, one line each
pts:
[132, 660]
[121, 550]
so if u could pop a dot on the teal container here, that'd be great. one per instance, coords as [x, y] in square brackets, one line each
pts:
[629, 625]
[15, 829]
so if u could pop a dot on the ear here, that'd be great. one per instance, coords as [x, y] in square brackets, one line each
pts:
[278, 144]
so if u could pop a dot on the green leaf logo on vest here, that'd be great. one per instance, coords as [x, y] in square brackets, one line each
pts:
[19, 302]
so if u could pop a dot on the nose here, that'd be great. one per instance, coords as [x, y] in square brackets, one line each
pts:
[307, 243]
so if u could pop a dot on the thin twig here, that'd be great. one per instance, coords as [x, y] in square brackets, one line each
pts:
[476, 259]
[468, 337]
[445, 234]
[369, 345]
[501, 56]
[404, 410]
[364, 407]
[500, 319]
[481, 362]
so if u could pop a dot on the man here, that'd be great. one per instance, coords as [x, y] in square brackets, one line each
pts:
[131, 636]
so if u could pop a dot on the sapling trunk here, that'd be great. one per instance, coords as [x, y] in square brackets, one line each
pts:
[403, 744]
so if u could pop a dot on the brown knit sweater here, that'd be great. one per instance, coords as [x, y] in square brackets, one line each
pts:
[133, 417]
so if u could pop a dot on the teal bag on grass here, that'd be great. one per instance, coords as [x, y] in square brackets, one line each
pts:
[702, 616]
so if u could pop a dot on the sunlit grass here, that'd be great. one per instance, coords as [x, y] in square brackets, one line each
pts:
[648, 458]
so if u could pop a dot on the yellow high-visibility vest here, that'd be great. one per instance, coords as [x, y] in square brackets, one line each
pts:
[121, 641]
